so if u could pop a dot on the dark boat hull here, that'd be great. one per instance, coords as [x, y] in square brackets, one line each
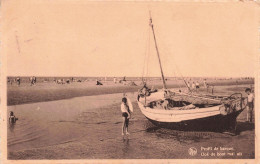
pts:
[217, 123]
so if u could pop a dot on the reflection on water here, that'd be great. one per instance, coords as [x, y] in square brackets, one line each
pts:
[11, 127]
[125, 148]
[56, 122]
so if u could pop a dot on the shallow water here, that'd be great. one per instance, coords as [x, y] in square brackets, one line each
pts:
[55, 122]
[95, 121]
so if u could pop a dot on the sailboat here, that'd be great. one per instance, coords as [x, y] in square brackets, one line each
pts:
[188, 111]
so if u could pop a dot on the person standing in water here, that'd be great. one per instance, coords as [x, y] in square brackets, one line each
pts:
[12, 118]
[126, 115]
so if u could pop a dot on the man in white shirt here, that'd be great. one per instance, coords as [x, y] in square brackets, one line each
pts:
[250, 104]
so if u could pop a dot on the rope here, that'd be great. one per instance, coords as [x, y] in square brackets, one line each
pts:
[148, 53]
[175, 65]
[145, 56]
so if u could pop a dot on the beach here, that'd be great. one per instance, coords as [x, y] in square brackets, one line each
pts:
[50, 91]
[83, 121]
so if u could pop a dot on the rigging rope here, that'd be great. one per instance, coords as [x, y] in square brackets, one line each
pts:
[145, 56]
[175, 65]
[148, 52]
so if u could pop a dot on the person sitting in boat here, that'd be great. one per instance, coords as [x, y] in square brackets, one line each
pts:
[153, 104]
[165, 104]
[197, 85]
[126, 115]
[167, 94]
[12, 118]
[144, 91]
[193, 86]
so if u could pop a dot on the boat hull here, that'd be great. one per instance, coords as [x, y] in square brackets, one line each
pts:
[203, 119]
[217, 123]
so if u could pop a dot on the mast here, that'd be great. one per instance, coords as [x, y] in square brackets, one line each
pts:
[151, 24]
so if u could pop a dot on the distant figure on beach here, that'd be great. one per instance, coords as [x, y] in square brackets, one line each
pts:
[18, 80]
[126, 109]
[9, 80]
[34, 80]
[205, 83]
[31, 80]
[12, 118]
[115, 80]
[124, 80]
[98, 82]
[250, 104]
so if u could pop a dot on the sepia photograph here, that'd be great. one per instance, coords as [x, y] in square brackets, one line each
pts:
[124, 80]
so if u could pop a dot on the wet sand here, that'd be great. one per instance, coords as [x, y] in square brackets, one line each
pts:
[89, 127]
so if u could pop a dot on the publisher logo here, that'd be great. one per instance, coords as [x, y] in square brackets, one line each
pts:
[192, 151]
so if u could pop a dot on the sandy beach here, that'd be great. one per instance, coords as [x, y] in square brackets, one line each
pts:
[87, 125]
[50, 91]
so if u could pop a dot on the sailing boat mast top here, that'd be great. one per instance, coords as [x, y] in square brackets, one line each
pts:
[151, 24]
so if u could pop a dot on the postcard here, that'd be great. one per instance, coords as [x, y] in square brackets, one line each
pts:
[129, 81]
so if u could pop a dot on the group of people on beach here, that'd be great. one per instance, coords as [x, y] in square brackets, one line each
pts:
[123, 81]
[15, 80]
[32, 80]
[194, 86]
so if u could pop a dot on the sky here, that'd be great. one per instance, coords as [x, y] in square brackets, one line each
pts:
[80, 38]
